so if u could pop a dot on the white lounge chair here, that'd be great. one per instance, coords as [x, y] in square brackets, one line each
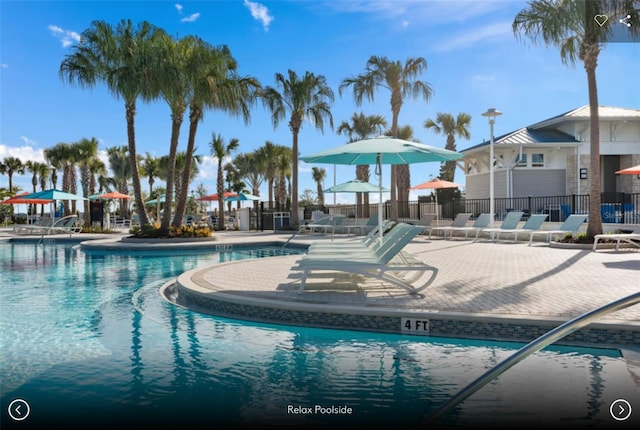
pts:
[534, 222]
[70, 224]
[510, 222]
[350, 242]
[570, 225]
[371, 223]
[386, 262]
[459, 221]
[320, 223]
[633, 238]
[425, 222]
[481, 222]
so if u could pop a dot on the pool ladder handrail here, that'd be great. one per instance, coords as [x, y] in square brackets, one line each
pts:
[532, 347]
[289, 240]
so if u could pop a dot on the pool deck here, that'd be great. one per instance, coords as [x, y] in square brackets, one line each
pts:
[503, 290]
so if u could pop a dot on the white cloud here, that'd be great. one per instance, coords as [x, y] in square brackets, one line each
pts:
[208, 168]
[24, 153]
[179, 8]
[191, 18]
[405, 24]
[4, 65]
[260, 13]
[488, 33]
[66, 37]
[28, 141]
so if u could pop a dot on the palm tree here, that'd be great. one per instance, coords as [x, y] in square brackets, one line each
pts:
[319, 175]
[400, 80]
[119, 162]
[63, 156]
[214, 83]
[570, 26]
[451, 127]
[307, 97]
[251, 168]
[283, 172]
[43, 173]
[150, 168]
[170, 82]
[220, 150]
[234, 180]
[119, 57]
[269, 154]
[87, 150]
[362, 127]
[33, 167]
[11, 166]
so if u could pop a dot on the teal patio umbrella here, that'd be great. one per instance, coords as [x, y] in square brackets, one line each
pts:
[241, 197]
[53, 194]
[381, 150]
[355, 186]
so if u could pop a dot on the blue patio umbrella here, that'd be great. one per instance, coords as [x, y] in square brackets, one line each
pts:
[381, 150]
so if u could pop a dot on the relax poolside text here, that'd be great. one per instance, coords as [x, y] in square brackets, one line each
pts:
[319, 410]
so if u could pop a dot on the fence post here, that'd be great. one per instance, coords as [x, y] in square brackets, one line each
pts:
[259, 217]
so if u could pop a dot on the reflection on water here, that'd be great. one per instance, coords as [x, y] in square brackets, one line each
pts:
[85, 337]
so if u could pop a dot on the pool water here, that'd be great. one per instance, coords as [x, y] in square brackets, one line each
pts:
[85, 338]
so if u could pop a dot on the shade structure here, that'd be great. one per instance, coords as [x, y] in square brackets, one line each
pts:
[54, 194]
[21, 199]
[381, 150]
[436, 184]
[214, 197]
[635, 170]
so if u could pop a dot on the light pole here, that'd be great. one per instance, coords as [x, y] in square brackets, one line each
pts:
[491, 113]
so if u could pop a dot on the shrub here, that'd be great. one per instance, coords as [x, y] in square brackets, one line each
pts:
[185, 231]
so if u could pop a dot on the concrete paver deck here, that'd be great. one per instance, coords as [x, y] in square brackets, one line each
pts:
[509, 279]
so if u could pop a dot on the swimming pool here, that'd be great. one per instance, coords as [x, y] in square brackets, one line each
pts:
[86, 338]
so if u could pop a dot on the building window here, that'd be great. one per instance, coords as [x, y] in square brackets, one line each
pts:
[537, 160]
[521, 160]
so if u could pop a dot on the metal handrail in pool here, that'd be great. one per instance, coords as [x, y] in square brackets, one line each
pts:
[532, 347]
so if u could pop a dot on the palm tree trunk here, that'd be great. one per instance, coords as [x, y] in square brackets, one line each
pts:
[133, 161]
[393, 185]
[220, 191]
[594, 225]
[294, 174]
[173, 149]
[194, 118]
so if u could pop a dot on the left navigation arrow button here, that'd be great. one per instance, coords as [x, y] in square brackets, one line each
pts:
[19, 409]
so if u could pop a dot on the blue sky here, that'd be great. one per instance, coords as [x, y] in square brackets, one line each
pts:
[474, 62]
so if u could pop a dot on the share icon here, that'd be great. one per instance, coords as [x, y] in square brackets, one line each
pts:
[625, 21]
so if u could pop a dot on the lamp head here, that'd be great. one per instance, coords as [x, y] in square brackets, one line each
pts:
[491, 113]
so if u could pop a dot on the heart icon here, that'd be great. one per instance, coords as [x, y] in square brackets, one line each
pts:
[601, 19]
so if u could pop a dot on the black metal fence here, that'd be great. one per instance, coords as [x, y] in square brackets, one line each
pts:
[615, 207]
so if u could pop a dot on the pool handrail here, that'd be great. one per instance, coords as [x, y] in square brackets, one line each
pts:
[532, 347]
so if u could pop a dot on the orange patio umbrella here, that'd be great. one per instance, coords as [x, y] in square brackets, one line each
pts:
[635, 170]
[214, 197]
[19, 200]
[113, 195]
[436, 184]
